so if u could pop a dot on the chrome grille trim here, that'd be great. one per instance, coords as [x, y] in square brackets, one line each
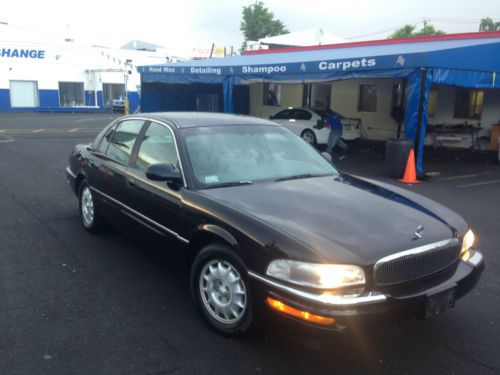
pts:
[417, 262]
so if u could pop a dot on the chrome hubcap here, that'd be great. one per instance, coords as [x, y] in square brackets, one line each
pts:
[87, 206]
[308, 137]
[222, 291]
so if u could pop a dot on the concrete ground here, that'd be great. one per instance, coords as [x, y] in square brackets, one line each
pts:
[74, 303]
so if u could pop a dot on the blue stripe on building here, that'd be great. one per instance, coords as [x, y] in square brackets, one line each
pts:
[49, 102]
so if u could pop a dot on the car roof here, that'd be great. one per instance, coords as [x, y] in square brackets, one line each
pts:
[199, 119]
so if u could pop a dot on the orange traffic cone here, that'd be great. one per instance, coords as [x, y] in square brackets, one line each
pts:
[410, 176]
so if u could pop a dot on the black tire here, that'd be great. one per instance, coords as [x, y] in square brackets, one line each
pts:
[92, 223]
[309, 136]
[208, 301]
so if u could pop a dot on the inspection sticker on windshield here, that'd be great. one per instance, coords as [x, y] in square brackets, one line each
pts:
[211, 179]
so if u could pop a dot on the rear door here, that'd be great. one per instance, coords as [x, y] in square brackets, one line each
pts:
[155, 204]
[107, 168]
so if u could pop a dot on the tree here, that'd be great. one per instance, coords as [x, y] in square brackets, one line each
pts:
[258, 22]
[409, 30]
[487, 24]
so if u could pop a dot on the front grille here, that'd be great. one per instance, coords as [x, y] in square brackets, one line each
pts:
[417, 263]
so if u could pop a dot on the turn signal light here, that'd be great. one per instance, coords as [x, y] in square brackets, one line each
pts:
[303, 315]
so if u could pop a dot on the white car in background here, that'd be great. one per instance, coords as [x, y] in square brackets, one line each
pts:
[309, 124]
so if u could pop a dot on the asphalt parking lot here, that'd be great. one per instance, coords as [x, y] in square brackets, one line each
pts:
[74, 303]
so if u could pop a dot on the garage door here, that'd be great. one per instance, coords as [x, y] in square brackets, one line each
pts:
[23, 94]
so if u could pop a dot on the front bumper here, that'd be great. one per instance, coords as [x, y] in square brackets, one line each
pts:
[371, 308]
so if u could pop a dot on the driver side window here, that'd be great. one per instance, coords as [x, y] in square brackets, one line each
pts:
[157, 146]
[123, 139]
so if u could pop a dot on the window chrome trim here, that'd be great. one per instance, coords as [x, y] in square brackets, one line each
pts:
[329, 300]
[175, 144]
[175, 234]
[418, 250]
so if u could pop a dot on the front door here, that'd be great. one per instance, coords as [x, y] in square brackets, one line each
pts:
[155, 203]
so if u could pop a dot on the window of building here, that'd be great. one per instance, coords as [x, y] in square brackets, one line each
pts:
[468, 103]
[367, 98]
[317, 95]
[123, 139]
[397, 104]
[432, 105]
[71, 94]
[112, 91]
[157, 146]
[272, 94]
[23, 94]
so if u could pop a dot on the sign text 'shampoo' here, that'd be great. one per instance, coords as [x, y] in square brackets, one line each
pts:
[344, 65]
[263, 69]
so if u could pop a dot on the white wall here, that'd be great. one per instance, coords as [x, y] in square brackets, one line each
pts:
[445, 113]
[71, 62]
[380, 125]
[377, 125]
[344, 99]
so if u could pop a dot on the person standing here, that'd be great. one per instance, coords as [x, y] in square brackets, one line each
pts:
[333, 121]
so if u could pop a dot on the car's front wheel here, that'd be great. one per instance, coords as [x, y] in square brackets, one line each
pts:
[89, 215]
[309, 136]
[221, 291]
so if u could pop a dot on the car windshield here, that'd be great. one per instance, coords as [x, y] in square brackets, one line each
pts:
[244, 154]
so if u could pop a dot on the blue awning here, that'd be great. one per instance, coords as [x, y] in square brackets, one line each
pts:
[471, 61]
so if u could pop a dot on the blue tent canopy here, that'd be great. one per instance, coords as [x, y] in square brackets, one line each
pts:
[469, 60]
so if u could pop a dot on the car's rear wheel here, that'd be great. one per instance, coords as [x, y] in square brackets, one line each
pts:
[309, 136]
[89, 215]
[221, 291]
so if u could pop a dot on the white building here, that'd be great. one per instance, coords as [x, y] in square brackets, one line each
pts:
[52, 74]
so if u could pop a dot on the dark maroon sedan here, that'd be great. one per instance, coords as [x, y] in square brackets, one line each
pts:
[268, 223]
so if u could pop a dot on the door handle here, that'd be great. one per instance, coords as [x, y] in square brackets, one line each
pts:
[130, 182]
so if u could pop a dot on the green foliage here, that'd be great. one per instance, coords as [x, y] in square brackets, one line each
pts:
[258, 22]
[409, 30]
[487, 24]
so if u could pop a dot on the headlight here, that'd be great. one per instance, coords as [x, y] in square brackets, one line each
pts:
[467, 243]
[321, 276]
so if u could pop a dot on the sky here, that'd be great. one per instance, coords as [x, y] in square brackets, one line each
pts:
[185, 24]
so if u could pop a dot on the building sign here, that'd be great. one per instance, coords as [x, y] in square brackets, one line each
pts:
[22, 53]
[288, 70]
[347, 64]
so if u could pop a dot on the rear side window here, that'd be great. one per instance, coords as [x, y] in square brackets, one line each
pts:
[283, 115]
[302, 115]
[106, 139]
[157, 146]
[123, 139]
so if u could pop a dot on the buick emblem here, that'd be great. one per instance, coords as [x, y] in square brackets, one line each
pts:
[418, 232]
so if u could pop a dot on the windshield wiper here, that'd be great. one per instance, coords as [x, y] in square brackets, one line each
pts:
[299, 176]
[229, 184]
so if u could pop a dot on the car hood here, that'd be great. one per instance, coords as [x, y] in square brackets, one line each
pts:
[343, 218]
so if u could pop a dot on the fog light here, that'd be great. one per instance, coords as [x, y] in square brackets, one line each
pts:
[303, 315]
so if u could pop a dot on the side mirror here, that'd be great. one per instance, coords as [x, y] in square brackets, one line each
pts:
[165, 172]
[327, 156]
[271, 117]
